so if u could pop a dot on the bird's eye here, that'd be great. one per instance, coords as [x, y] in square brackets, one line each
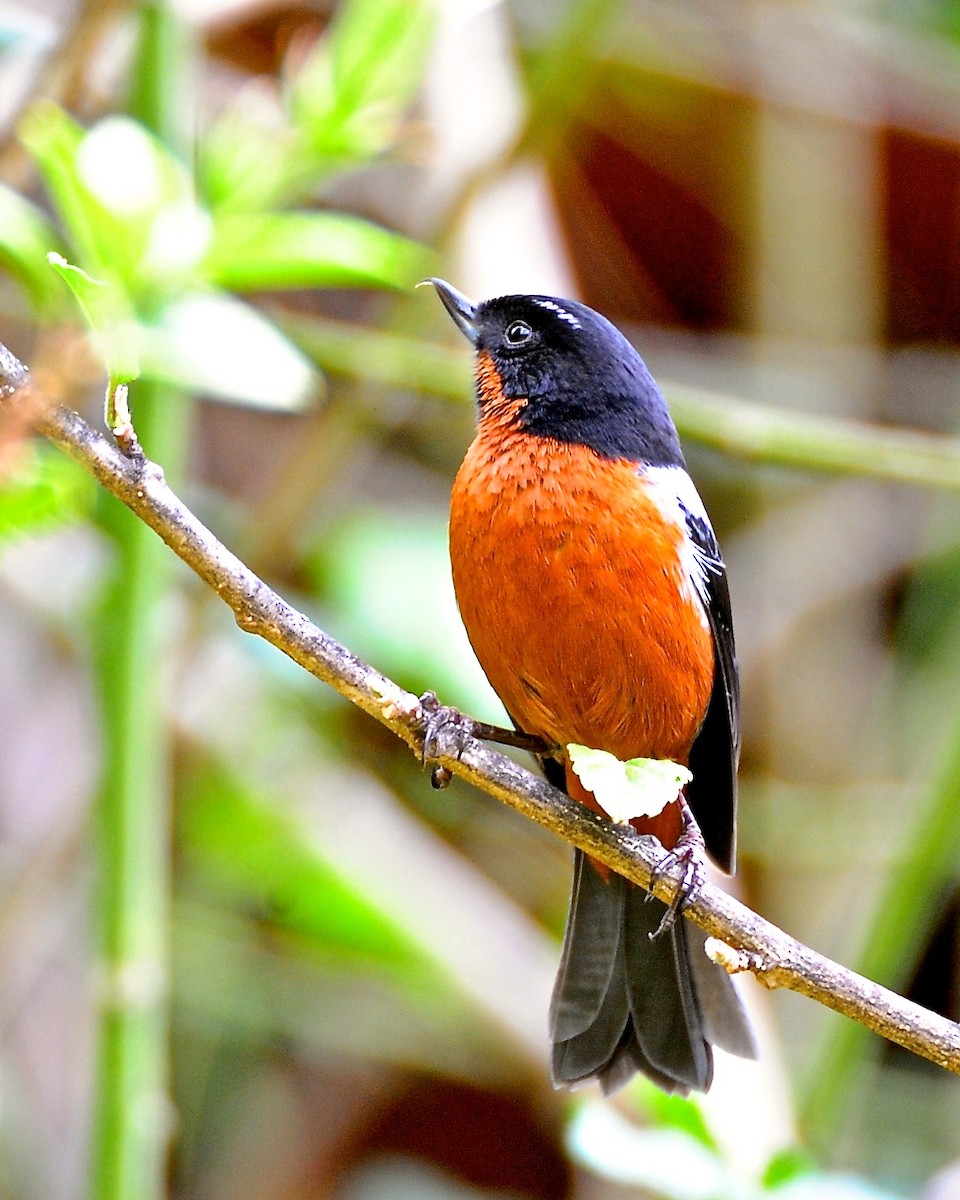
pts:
[517, 333]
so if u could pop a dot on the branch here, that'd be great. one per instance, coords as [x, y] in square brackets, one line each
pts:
[749, 943]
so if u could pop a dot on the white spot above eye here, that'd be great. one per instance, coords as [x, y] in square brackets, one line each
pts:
[561, 313]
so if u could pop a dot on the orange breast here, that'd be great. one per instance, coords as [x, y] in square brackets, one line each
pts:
[572, 591]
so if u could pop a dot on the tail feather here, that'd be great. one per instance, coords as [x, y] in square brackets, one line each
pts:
[626, 1062]
[586, 1055]
[725, 1023]
[666, 1016]
[623, 1003]
[589, 955]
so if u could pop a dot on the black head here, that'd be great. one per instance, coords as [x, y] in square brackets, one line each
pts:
[575, 376]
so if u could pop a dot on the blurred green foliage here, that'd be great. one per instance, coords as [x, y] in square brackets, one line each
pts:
[43, 491]
[677, 1158]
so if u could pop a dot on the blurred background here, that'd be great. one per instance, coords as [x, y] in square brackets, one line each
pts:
[245, 951]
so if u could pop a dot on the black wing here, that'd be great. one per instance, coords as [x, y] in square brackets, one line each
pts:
[712, 793]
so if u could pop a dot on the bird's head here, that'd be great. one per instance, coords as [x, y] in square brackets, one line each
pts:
[565, 372]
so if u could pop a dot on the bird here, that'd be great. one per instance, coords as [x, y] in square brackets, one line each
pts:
[595, 597]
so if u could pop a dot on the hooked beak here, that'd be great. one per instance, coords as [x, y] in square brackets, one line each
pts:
[463, 311]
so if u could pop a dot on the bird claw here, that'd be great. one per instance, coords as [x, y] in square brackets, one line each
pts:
[447, 730]
[440, 723]
[688, 854]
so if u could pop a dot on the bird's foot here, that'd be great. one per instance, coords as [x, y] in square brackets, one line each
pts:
[688, 853]
[447, 730]
[442, 726]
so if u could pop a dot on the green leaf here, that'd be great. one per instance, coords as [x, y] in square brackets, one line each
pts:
[345, 104]
[641, 787]
[351, 91]
[147, 195]
[110, 321]
[53, 139]
[664, 1162]
[43, 491]
[244, 160]
[126, 203]
[304, 250]
[675, 1112]
[216, 344]
[247, 852]
[25, 238]
[785, 1166]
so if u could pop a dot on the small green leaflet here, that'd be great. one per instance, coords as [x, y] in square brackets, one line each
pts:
[108, 315]
[642, 787]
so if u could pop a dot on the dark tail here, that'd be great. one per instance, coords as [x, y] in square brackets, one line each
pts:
[623, 1003]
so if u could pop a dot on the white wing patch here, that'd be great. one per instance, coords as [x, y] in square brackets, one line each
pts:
[679, 501]
[561, 313]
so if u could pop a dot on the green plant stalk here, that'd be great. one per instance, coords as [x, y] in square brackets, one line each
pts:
[903, 918]
[741, 428]
[131, 1116]
[910, 902]
[132, 1110]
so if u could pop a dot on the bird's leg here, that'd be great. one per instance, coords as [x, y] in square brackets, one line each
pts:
[688, 851]
[442, 721]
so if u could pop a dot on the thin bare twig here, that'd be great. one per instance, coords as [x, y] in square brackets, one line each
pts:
[746, 942]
